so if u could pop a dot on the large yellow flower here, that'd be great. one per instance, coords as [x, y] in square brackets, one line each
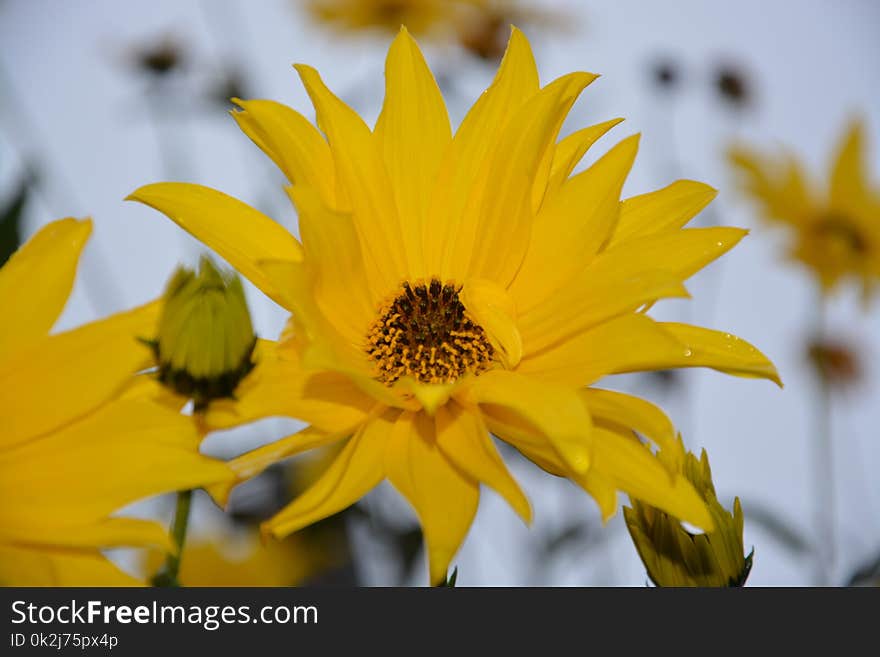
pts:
[836, 234]
[450, 286]
[69, 456]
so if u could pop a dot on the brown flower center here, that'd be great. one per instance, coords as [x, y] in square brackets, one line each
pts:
[841, 231]
[425, 333]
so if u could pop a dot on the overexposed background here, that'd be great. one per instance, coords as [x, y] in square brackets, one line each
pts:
[73, 106]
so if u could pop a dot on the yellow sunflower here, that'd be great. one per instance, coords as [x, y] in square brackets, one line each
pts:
[835, 234]
[452, 286]
[422, 16]
[71, 455]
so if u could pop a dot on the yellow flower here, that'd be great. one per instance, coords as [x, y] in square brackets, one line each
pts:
[451, 286]
[836, 235]
[422, 16]
[69, 456]
[240, 559]
[205, 339]
[675, 557]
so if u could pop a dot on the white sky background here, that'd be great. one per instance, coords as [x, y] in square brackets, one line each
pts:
[75, 105]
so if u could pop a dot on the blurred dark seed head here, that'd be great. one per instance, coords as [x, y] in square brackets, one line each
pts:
[485, 36]
[231, 85]
[665, 74]
[666, 379]
[733, 85]
[160, 58]
[836, 362]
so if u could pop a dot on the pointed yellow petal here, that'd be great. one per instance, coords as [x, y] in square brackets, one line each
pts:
[252, 463]
[53, 369]
[236, 231]
[414, 133]
[32, 566]
[662, 210]
[355, 471]
[631, 467]
[627, 413]
[444, 499]
[280, 386]
[607, 288]
[571, 150]
[127, 451]
[477, 137]
[573, 225]
[521, 435]
[849, 187]
[500, 203]
[629, 343]
[293, 143]
[465, 441]
[720, 351]
[341, 287]
[115, 532]
[361, 171]
[556, 411]
[36, 281]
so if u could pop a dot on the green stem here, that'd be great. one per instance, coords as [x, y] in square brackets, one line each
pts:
[169, 576]
[823, 465]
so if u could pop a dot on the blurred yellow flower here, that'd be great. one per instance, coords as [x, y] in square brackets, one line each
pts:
[835, 234]
[241, 559]
[675, 557]
[69, 456]
[421, 16]
[452, 286]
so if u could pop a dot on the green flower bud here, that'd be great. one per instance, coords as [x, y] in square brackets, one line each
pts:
[675, 557]
[205, 342]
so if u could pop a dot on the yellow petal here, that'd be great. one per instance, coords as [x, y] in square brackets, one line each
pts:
[127, 451]
[607, 288]
[361, 171]
[356, 470]
[293, 143]
[628, 343]
[36, 281]
[500, 202]
[279, 386]
[556, 411]
[631, 467]
[465, 441]
[662, 210]
[114, 532]
[32, 566]
[624, 413]
[573, 225]
[571, 150]
[341, 287]
[494, 309]
[65, 376]
[252, 463]
[849, 187]
[444, 499]
[478, 136]
[781, 190]
[414, 133]
[720, 351]
[236, 231]
[514, 430]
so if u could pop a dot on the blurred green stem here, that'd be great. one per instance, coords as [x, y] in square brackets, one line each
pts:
[169, 576]
[823, 462]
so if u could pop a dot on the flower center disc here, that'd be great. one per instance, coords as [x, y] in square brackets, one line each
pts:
[840, 231]
[425, 333]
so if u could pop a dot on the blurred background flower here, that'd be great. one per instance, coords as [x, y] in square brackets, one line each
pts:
[77, 133]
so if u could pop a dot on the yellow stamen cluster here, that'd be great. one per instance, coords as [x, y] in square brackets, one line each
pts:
[425, 333]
